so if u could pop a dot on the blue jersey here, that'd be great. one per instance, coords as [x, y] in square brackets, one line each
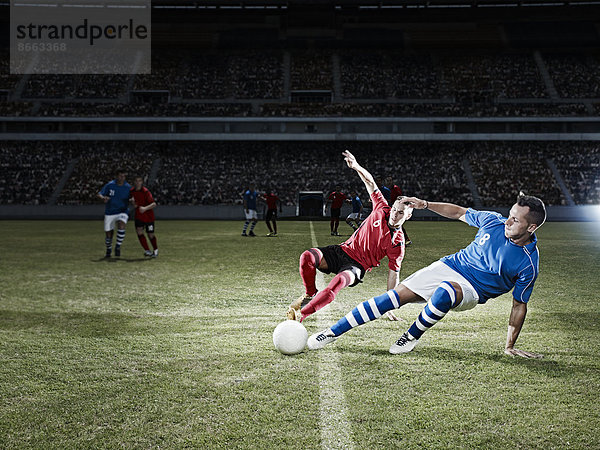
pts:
[387, 194]
[356, 204]
[250, 199]
[119, 197]
[492, 263]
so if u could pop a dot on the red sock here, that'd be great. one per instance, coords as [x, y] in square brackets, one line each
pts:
[309, 261]
[143, 241]
[154, 244]
[326, 296]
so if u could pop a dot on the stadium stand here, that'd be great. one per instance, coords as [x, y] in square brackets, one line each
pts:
[29, 172]
[575, 76]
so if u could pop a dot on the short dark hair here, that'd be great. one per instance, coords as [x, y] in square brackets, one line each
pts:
[537, 210]
[118, 171]
[139, 176]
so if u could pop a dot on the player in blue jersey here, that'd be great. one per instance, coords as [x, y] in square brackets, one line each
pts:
[502, 257]
[116, 196]
[250, 210]
[353, 218]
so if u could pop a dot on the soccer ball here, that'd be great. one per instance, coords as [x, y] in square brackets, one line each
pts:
[290, 337]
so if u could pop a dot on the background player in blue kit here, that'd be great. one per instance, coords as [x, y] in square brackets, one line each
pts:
[503, 256]
[357, 208]
[250, 210]
[116, 196]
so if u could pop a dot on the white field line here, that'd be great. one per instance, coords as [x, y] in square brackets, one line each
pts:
[335, 427]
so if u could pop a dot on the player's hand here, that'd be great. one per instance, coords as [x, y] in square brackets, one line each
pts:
[350, 159]
[415, 202]
[391, 316]
[522, 353]
[105, 199]
[143, 209]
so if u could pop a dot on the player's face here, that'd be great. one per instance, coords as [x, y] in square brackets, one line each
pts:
[517, 226]
[400, 213]
[120, 178]
[138, 183]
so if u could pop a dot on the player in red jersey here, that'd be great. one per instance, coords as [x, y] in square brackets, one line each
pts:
[378, 236]
[272, 201]
[336, 199]
[144, 215]
[395, 192]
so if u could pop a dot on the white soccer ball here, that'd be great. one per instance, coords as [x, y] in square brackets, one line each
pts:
[290, 337]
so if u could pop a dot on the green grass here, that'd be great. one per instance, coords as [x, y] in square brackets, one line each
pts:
[177, 352]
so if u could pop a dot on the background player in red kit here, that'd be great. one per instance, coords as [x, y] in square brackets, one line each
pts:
[144, 215]
[336, 198]
[272, 201]
[395, 192]
[378, 236]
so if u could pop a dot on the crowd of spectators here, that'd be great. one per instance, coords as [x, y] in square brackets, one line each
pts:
[380, 75]
[96, 165]
[575, 76]
[189, 74]
[75, 86]
[216, 172]
[503, 169]
[208, 173]
[579, 166]
[30, 172]
[187, 109]
[490, 77]
[311, 70]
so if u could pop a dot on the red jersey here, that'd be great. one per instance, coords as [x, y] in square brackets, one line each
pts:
[337, 199]
[271, 200]
[374, 239]
[396, 192]
[143, 197]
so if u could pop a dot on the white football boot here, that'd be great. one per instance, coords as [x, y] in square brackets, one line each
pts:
[403, 345]
[321, 339]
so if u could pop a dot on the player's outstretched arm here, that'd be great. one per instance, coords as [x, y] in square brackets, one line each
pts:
[515, 323]
[448, 210]
[363, 173]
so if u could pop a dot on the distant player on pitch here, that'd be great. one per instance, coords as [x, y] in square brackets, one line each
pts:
[503, 256]
[353, 218]
[378, 236]
[144, 215]
[250, 210]
[116, 196]
[336, 200]
[272, 201]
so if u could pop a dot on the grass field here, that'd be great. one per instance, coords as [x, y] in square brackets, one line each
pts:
[177, 352]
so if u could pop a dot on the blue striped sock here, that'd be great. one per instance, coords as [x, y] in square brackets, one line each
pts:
[367, 311]
[108, 242]
[252, 226]
[120, 237]
[246, 225]
[437, 307]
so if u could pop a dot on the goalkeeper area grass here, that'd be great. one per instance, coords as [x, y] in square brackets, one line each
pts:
[177, 351]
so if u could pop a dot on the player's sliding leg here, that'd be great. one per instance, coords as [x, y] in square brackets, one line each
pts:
[446, 296]
[326, 296]
[365, 312]
[310, 260]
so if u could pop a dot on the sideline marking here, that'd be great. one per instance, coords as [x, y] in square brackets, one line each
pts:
[335, 427]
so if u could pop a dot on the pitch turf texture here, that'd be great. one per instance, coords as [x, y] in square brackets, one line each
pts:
[177, 352]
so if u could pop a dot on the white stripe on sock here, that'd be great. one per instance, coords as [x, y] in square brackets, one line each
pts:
[351, 320]
[393, 299]
[363, 313]
[374, 308]
[434, 310]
